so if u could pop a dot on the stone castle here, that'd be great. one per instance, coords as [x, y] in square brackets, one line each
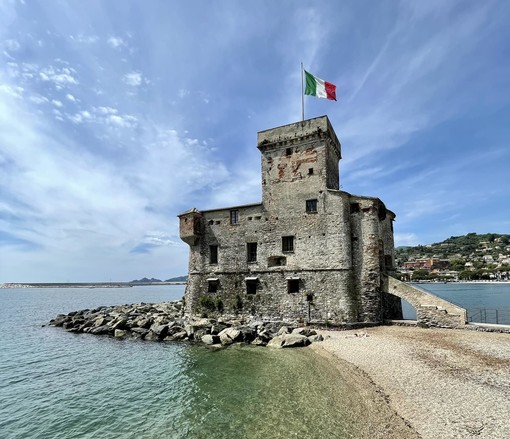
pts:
[308, 251]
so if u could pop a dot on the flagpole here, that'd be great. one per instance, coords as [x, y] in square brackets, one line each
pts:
[302, 97]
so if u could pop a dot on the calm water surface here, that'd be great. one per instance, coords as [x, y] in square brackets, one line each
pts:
[473, 296]
[55, 384]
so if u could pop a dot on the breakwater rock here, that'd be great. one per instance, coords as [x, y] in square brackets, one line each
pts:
[165, 322]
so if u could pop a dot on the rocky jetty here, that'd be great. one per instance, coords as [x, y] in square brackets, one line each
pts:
[165, 322]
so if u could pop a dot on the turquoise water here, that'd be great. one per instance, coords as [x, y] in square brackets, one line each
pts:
[474, 296]
[55, 384]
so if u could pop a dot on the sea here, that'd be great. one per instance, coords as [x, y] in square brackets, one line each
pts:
[485, 302]
[56, 384]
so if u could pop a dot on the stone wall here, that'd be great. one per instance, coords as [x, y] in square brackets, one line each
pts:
[430, 310]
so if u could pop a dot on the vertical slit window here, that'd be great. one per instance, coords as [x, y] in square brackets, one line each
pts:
[213, 254]
[251, 252]
[251, 286]
[234, 217]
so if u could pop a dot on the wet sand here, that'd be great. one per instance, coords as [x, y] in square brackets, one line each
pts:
[438, 383]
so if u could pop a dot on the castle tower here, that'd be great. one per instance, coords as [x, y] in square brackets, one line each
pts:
[299, 161]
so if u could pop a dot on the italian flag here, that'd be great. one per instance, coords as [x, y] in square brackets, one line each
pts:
[319, 88]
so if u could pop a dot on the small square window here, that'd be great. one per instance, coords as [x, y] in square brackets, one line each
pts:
[293, 286]
[251, 286]
[288, 151]
[234, 217]
[310, 171]
[213, 254]
[311, 206]
[287, 244]
[212, 286]
[251, 252]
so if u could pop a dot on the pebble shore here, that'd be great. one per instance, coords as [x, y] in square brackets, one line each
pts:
[444, 383]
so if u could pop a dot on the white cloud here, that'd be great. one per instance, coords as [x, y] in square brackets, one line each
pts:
[86, 39]
[59, 76]
[14, 91]
[106, 110]
[57, 103]
[70, 97]
[125, 121]
[134, 79]
[80, 117]
[116, 42]
[38, 99]
[12, 45]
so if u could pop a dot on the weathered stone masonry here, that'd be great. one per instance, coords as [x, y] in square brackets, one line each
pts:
[309, 251]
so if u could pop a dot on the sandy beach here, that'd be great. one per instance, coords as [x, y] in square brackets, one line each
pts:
[442, 383]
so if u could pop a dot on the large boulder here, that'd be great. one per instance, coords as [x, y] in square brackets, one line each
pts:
[119, 333]
[307, 332]
[230, 335]
[210, 339]
[295, 340]
[276, 342]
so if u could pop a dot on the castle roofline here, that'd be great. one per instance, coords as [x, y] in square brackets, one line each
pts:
[365, 197]
[221, 208]
[310, 129]
[192, 210]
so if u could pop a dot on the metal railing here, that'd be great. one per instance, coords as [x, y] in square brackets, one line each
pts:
[487, 315]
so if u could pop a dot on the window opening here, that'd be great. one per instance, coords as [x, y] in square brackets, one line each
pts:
[213, 254]
[354, 207]
[234, 217]
[311, 206]
[288, 151]
[212, 286]
[251, 286]
[292, 286]
[287, 243]
[251, 252]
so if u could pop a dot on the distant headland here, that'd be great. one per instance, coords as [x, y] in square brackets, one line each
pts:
[180, 280]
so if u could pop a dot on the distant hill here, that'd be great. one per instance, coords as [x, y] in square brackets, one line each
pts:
[178, 279]
[145, 281]
[468, 247]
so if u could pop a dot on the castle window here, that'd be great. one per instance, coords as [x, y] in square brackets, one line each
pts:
[292, 285]
[213, 254]
[354, 207]
[276, 261]
[288, 151]
[251, 252]
[310, 171]
[311, 206]
[287, 244]
[388, 261]
[234, 217]
[212, 285]
[251, 285]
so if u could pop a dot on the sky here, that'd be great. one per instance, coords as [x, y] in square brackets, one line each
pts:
[116, 116]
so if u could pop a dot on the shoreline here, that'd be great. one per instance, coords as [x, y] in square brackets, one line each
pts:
[440, 382]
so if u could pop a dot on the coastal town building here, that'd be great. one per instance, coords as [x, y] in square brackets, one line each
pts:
[308, 251]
